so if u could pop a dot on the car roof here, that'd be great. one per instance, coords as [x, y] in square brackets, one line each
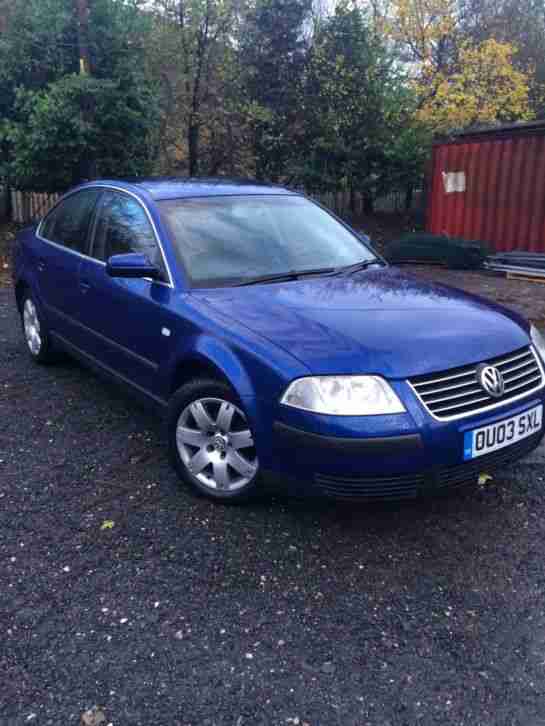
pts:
[179, 187]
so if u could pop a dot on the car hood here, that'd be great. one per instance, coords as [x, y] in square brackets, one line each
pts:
[378, 321]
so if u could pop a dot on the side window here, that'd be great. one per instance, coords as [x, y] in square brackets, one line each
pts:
[68, 223]
[124, 227]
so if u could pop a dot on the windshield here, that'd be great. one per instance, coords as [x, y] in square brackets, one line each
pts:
[230, 240]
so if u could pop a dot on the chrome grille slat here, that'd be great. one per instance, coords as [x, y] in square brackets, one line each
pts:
[521, 385]
[523, 375]
[460, 405]
[503, 361]
[446, 388]
[473, 392]
[445, 378]
[525, 363]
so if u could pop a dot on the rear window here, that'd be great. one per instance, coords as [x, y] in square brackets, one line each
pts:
[68, 224]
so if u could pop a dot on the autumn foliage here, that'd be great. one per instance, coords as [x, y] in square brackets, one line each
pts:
[459, 82]
[328, 96]
[483, 89]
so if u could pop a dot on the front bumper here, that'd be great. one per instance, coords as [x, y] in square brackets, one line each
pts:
[395, 458]
[432, 481]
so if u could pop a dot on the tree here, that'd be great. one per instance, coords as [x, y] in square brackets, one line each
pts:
[272, 56]
[484, 88]
[51, 137]
[462, 74]
[39, 60]
[519, 22]
[190, 52]
[356, 108]
[36, 48]
[425, 30]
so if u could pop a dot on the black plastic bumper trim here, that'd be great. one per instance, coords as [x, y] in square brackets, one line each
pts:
[372, 445]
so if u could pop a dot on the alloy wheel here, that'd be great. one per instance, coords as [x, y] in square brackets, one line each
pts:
[32, 327]
[216, 444]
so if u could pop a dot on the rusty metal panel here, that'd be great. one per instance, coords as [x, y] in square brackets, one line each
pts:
[504, 192]
[503, 200]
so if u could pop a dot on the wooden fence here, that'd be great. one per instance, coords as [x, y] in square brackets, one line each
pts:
[29, 207]
[339, 202]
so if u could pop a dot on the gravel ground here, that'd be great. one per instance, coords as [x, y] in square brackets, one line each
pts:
[527, 298]
[119, 590]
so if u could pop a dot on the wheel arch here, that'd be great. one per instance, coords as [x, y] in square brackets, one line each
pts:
[209, 358]
[20, 288]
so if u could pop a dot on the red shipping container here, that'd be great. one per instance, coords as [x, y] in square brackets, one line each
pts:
[490, 186]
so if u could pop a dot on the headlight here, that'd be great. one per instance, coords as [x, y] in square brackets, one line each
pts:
[343, 396]
[539, 341]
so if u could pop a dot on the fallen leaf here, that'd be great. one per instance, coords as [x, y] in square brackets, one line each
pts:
[484, 478]
[107, 524]
[93, 717]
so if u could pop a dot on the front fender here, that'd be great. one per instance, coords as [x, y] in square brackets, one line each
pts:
[253, 368]
[212, 351]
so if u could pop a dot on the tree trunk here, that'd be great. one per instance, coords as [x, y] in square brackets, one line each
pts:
[6, 207]
[82, 16]
[86, 167]
[193, 135]
[368, 203]
[409, 197]
[258, 159]
[353, 207]
[231, 150]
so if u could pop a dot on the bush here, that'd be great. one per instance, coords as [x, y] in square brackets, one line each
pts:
[77, 126]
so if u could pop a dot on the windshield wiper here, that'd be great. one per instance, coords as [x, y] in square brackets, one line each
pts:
[362, 265]
[287, 276]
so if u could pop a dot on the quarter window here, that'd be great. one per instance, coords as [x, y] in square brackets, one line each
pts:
[68, 224]
[124, 227]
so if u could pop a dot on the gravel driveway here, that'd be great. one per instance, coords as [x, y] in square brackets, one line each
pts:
[118, 590]
[527, 298]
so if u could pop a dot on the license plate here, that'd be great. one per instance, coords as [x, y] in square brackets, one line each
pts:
[504, 433]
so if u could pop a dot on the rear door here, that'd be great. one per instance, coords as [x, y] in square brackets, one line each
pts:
[63, 239]
[129, 320]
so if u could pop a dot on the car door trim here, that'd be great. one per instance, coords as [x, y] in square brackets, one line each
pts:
[95, 363]
[121, 348]
[109, 187]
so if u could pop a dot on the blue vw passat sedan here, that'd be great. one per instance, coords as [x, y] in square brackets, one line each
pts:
[281, 349]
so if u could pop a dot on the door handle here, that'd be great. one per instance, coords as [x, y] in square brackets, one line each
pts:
[85, 285]
[40, 264]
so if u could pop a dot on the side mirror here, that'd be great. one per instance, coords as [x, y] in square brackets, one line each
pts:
[132, 264]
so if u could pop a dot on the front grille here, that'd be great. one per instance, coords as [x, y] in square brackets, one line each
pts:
[457, 393]
[409, 486]
[377, 487]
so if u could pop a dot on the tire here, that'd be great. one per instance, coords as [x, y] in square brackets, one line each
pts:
[35, 331]
[210, 442]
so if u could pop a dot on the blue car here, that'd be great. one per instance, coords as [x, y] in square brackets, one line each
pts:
[281, 349]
